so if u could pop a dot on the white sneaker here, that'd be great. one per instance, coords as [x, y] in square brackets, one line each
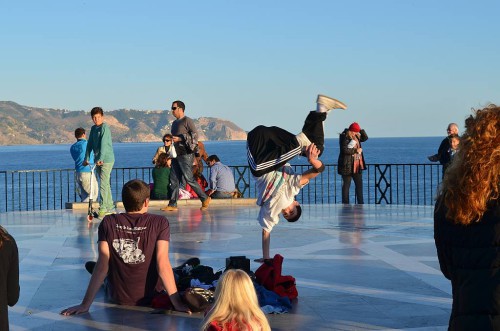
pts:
[330, 103]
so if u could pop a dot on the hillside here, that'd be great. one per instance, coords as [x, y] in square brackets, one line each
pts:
[30, 125]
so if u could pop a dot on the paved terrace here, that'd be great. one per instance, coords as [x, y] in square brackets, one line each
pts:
[370, 267]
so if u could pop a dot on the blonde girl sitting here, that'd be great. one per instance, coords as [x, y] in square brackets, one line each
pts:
[236, 307]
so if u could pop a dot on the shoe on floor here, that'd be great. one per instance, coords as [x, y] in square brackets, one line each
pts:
[204, 204]
[170, 208]
[103, 213]
[90, 265]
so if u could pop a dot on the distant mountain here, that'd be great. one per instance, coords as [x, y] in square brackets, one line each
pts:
[30, 125]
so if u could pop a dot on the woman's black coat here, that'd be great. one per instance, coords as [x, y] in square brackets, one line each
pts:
[345, 162]
[469, 256]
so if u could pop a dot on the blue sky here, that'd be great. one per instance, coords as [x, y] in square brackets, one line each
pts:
[404, 68]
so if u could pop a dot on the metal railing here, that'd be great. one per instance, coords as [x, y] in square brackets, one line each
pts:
[404, 184]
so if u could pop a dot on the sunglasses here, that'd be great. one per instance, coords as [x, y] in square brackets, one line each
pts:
[166, 140]
[174, 108]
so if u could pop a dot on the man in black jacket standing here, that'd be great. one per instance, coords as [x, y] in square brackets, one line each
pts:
[442, 155]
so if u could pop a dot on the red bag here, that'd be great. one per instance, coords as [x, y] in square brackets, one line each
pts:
[269, 275]
[162, 301]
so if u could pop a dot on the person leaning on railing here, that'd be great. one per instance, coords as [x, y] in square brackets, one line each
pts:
[442, 154]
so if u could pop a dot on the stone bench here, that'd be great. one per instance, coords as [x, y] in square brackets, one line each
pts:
[163, 203]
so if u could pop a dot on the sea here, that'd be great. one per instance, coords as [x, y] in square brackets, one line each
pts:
[403, 150]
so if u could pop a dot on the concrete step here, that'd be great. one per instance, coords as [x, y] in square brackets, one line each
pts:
[163, 203]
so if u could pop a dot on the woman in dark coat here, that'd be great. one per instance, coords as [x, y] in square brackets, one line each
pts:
[352, 161]
[9, 276]
[467, 225]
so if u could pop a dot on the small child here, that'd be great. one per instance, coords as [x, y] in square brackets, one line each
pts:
[83, 175]
[454, 142]
[236, 306]
[101, 144]
[161, 177]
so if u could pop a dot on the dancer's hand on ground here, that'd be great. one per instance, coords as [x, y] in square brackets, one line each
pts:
[75, 310]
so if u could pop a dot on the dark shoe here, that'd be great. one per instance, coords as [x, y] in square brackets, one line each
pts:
[90, 265]
[194, 261]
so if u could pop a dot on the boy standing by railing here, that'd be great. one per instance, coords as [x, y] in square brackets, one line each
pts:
[83, 175]
[101, 144]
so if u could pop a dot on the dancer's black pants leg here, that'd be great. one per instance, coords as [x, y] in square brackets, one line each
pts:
[313, 129]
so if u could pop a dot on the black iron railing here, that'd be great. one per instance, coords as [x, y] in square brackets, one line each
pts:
[404, 184]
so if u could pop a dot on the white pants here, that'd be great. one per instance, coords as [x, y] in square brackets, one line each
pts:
[82, 180]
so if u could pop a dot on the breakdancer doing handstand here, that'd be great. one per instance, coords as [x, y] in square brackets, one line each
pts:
[268, 151]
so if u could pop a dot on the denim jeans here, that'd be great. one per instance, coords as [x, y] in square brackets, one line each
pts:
[182, 167]
[222, 195]
[104, 174]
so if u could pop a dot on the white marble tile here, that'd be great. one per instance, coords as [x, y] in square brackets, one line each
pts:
[357, 267]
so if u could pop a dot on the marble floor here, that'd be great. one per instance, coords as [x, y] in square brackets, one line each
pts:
[370, 267]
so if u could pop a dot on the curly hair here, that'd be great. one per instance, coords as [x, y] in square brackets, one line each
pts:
[471, 183]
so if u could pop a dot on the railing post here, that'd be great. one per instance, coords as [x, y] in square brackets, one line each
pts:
[378, 183]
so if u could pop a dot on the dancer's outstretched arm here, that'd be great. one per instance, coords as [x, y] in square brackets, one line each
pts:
[312, 153]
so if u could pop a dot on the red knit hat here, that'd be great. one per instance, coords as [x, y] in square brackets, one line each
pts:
[354, 127]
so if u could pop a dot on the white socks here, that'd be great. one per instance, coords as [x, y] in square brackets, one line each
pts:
[303, 140]
[320, 108]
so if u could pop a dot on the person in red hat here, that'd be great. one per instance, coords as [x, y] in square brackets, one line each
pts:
[352, 161]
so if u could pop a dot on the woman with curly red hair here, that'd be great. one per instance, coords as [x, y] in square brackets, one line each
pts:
[467, 224]
[9, 276]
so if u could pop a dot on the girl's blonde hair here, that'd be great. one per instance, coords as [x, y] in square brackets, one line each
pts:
[472, 182]
[236, 303]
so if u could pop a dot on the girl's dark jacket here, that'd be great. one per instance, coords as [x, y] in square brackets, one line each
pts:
[345, 163]
[469, 256]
